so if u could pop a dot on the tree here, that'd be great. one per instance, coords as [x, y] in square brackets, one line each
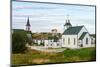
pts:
[19, 40]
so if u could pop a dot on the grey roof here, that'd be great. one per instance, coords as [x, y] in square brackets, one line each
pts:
[83, 35]
[72, 30]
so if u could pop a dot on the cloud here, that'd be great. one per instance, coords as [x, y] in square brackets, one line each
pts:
[43, 17]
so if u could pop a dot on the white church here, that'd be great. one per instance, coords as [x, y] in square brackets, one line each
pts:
[76, 36]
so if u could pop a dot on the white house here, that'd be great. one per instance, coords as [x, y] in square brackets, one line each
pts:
[53, 44]
[75, 36]
[50, 42]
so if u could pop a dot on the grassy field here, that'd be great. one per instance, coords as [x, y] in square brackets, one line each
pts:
[69, 55]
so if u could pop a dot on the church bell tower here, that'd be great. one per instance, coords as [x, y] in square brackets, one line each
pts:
[67, 24]
[28, 25]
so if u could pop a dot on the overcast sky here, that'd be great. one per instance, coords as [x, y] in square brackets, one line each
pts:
[44, 17]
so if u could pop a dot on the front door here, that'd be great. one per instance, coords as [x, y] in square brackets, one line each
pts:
[81, 45]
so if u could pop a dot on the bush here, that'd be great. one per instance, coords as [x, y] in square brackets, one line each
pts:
[19, 40]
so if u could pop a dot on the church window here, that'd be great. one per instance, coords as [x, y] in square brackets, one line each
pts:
[69, 41]
[63, 41]
[86, 40]
[74, 41]
[57, 44]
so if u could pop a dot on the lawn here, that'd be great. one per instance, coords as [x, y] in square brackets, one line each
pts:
[68, 55]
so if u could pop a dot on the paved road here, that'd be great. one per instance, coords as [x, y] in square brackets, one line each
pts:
[41, 48]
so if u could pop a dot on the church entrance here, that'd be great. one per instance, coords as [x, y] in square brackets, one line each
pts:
[81, 45]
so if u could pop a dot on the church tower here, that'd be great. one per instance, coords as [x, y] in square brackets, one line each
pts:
[67, 24]
[28, 25]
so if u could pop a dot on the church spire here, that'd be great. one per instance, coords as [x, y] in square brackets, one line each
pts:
[28, 25]
[67, 24]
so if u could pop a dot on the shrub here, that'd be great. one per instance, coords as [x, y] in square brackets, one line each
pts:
[19, 40]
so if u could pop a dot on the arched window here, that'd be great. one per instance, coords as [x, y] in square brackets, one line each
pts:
[63, 41]
[74, 41]
[86, 40]
[69, 41]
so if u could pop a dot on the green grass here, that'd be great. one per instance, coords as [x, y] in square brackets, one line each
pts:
[85, 54]
[69, 55]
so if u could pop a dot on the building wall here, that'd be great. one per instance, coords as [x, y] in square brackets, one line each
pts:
[81, 31]
[84, 40]
[46, 43]
[92, 40]
[52, 44]
[89, 41]
[71, 43]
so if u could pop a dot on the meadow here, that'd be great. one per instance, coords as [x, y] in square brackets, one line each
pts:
[68, 55]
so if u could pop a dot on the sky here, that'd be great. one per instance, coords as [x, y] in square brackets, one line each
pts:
[44, 17]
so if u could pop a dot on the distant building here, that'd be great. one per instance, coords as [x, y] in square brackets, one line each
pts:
[54, 30]
[29, 33]
[28, 25]
[49, 41]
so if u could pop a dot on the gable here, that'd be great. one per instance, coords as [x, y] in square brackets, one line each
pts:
[72, 30]
[82, 36]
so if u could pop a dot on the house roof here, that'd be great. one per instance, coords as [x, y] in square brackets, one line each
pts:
[72, 30]
[18, 30]
[83, 35]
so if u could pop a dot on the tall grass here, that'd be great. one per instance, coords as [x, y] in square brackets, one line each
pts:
[69, 55]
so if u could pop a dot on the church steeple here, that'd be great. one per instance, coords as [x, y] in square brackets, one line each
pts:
[28, 25]
[67, 24]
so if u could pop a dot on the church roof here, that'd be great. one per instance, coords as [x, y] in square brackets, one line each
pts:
[83, 35]
[72, 30]
[28, 23]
